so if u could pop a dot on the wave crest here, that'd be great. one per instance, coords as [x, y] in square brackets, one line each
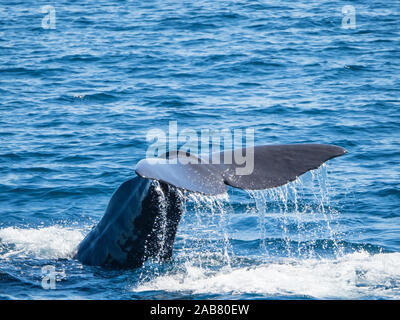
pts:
[52, 242]
[353, 276]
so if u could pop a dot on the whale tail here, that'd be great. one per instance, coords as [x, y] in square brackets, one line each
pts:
[272, 166]
[142, 216]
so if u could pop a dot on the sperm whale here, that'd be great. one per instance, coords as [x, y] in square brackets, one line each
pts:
[142, 217]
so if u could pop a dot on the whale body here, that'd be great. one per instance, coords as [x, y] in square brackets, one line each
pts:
[143, 214]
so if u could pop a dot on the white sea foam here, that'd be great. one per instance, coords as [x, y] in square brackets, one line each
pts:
[43, 243]
[356, 275]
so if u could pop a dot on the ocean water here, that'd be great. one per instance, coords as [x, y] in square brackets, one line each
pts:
[79, 94]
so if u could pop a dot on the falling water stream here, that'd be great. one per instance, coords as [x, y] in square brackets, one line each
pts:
[292, 226]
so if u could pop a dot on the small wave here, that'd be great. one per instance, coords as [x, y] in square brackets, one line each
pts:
[103, 97]
[43, 243]
[386, 192]
[353, 276]
[15, 71]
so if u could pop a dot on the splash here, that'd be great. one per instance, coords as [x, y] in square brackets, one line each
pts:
[353, 276]
[43, 243]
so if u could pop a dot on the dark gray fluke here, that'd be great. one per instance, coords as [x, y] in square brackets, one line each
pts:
[274, 166]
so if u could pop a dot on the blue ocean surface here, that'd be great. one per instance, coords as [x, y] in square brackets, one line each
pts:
[80, 90]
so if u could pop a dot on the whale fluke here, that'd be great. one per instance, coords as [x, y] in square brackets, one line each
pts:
[143, 214]
[274, 165]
